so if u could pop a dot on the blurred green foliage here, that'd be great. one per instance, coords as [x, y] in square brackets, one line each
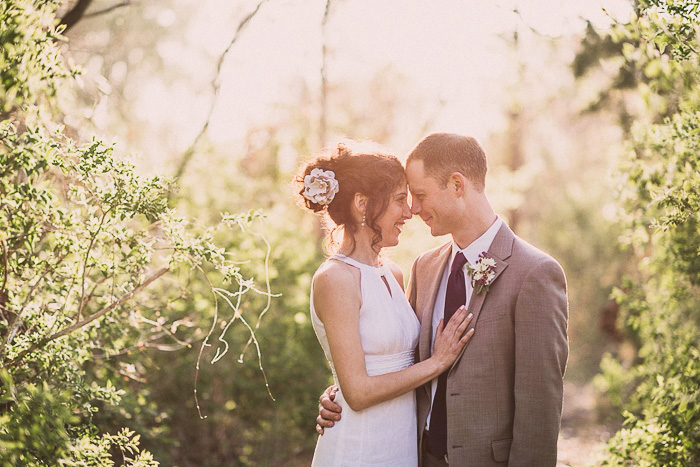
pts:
[91, 257]
[659, 390]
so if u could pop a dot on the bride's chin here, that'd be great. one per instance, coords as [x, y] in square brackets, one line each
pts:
[388, 242]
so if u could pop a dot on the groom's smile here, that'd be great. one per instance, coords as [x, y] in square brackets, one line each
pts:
[428, 198]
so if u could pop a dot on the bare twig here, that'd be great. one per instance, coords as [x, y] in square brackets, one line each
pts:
[3, 295]
[324, 82]
[62, 311]
[532, 28]
[89, 319]
[165, 331]
[252, 336]
[108, 9]
[99, 282]
[87, 257]
[236, 314]
[216, 85]
[205, 342]
[4, 269]
[17, 321]
[268, 288]
[673, 36]
[149, 343]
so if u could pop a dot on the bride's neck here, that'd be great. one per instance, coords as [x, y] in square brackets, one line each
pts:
[360, 249]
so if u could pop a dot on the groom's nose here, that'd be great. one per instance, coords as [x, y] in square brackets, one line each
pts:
[415, 206]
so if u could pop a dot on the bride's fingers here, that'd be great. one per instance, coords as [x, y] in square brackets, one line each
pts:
[463, 341]
[456, 318]
[463, 325]
[440, 328]
[453, 326]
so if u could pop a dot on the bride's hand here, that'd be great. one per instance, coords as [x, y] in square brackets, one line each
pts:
[450, 341]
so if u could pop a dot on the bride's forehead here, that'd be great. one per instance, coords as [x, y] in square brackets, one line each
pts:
[402, 188]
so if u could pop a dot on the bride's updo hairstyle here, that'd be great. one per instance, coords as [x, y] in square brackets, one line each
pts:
[357, 169]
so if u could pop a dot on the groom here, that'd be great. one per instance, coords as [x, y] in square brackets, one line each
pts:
[500, 402]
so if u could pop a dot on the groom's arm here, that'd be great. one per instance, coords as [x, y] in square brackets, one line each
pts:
[541, 351]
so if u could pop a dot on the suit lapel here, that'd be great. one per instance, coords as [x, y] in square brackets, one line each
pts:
[501, 249]
[430, 275]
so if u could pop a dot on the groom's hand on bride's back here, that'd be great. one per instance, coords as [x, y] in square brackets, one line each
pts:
[328, 411]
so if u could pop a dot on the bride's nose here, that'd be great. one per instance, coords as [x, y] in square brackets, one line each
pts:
[407, 214]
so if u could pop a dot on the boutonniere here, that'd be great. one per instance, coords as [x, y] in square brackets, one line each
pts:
[483, 273]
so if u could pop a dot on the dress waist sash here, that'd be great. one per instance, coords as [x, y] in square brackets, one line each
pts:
[381, 364]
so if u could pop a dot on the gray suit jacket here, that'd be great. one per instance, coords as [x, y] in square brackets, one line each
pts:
[504, 392]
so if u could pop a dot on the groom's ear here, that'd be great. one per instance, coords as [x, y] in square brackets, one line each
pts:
[457, 183]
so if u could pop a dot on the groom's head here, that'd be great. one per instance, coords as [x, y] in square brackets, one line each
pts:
[446, 175]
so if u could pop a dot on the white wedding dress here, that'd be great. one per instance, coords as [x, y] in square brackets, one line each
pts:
[384, 434]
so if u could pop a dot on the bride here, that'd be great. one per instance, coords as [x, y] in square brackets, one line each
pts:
[360, 314]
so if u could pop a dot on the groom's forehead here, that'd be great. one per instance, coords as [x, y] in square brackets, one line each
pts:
[415, 175]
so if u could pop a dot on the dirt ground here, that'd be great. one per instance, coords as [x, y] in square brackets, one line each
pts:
[581, 439]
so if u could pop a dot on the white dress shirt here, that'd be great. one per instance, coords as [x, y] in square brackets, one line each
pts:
[471, 253]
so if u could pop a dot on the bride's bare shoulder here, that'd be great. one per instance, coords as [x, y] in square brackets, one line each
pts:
[336, 283]
[337, 275]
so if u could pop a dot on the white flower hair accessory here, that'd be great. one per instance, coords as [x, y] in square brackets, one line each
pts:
[320, 186]
[483, 273]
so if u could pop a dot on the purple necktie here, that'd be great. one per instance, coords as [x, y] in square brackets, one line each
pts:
[455, 297]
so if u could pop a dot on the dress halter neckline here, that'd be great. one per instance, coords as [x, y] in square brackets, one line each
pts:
[355, 262]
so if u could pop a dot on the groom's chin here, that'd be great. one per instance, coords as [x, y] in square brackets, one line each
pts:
[435, 232]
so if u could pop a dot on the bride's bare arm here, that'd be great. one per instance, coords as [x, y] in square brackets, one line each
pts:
[337, 302]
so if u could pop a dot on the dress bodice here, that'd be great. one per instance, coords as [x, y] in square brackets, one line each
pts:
[389, 328]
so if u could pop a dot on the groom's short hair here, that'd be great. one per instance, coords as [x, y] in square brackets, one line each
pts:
[445, 153]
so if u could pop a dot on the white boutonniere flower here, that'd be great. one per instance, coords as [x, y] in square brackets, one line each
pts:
[483, 273]
[320, 186]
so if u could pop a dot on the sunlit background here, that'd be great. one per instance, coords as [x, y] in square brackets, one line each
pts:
[229, 97]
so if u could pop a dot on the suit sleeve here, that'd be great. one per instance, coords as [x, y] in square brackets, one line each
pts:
[541, 352]
[411, 289]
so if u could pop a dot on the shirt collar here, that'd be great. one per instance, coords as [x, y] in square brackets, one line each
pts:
[481, 244]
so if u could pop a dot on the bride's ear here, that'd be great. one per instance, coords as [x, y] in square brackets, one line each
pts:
[359, 204]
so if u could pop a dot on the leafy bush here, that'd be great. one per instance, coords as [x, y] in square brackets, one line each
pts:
[91, 260]
[661, 192]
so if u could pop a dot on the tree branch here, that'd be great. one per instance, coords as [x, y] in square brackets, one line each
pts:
[108, 9]
[17, 322]
[4, 271]
[324, 82]
[76, 13]
[216, 85]
[87, 257]
[89, 319]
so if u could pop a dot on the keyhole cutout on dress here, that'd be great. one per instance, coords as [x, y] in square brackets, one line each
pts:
[387, 284]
